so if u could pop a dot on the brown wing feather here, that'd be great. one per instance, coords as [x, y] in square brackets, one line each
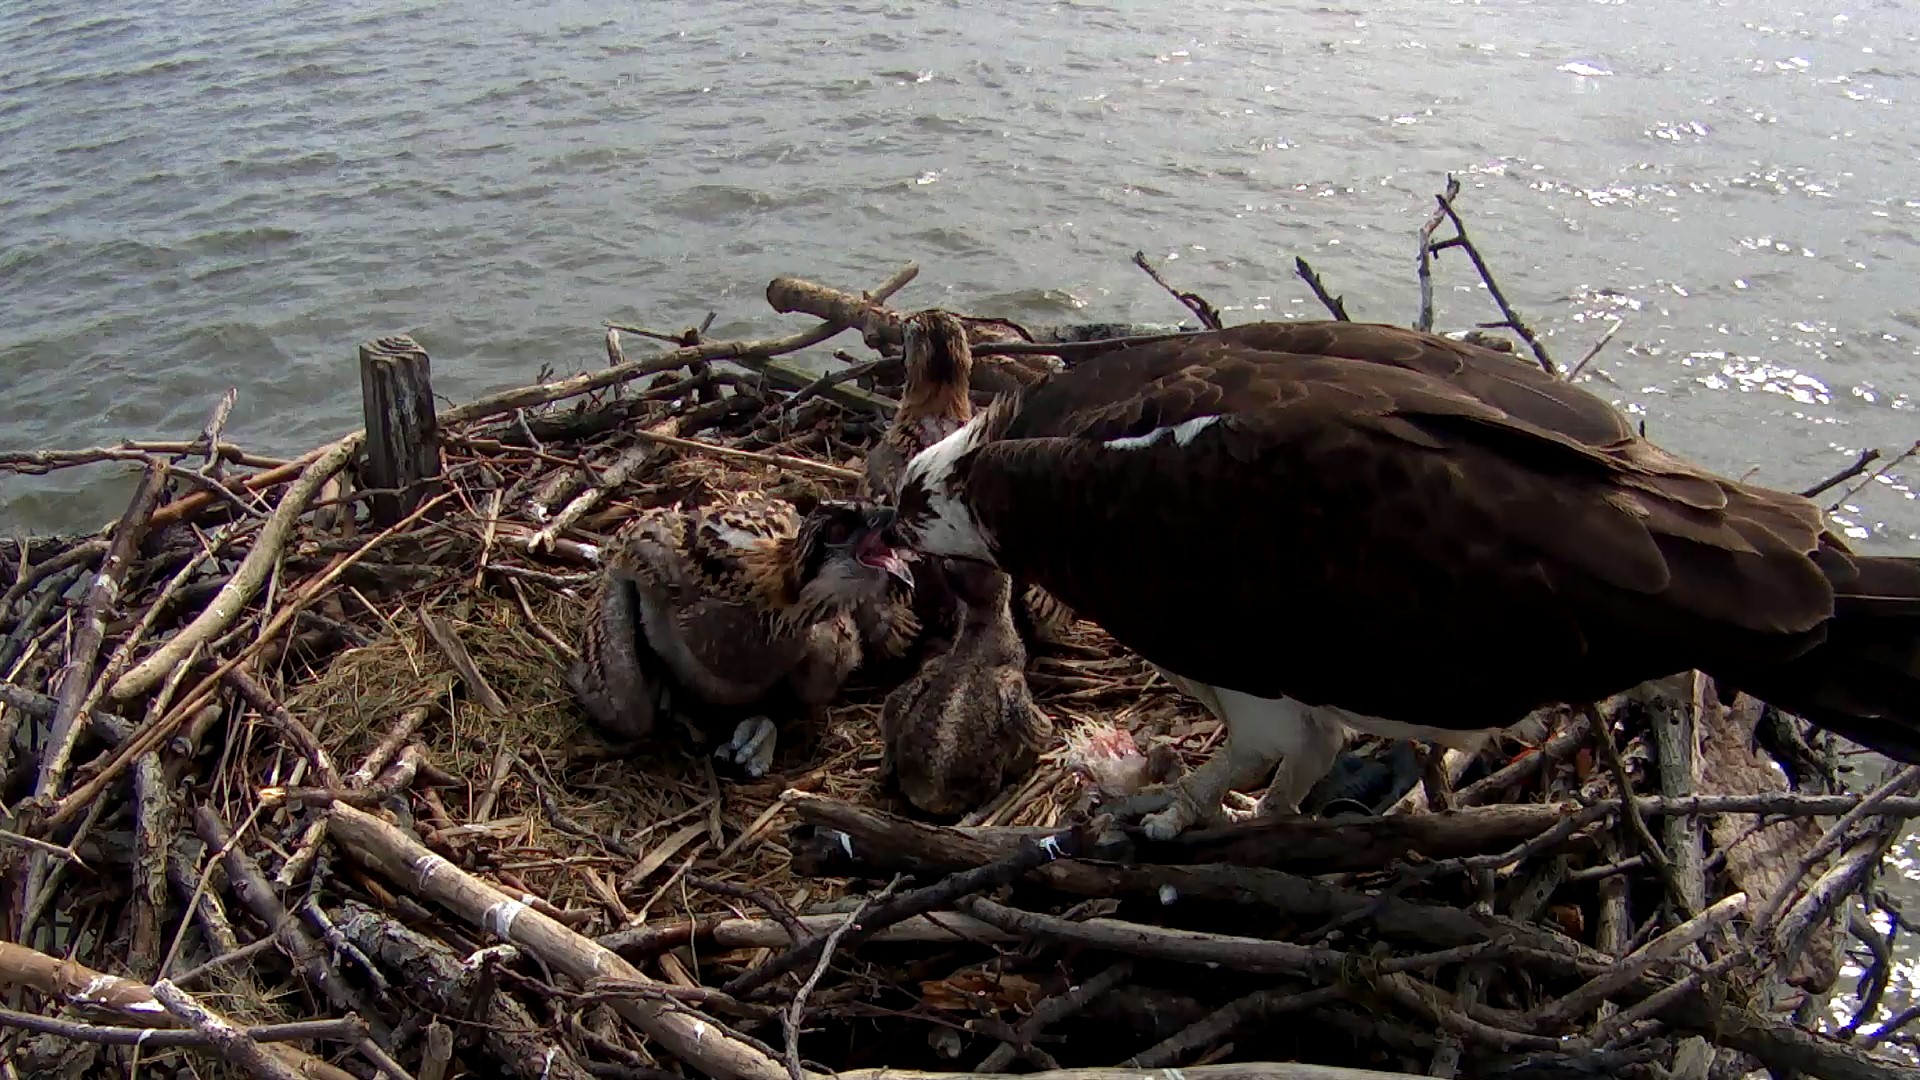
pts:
[1391, 522]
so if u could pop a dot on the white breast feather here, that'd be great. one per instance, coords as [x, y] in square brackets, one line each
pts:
[954, 531]
[1183, 433]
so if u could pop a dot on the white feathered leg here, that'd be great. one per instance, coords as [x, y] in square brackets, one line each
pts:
[1321, 738]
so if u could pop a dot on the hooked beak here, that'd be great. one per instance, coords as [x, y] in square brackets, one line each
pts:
[877, 546]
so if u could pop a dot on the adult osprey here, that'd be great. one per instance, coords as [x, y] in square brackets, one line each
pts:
[1311, 524]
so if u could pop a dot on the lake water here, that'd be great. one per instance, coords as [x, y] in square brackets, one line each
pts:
[201, 195]
[198, 195]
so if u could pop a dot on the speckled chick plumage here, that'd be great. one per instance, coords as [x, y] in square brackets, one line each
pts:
[717, 606]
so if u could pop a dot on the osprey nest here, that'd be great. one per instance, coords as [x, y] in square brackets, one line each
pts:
[297, 786]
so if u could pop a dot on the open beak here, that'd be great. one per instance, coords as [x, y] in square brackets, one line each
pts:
[877, 547]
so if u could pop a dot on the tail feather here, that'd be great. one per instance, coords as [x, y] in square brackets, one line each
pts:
[1863, 681]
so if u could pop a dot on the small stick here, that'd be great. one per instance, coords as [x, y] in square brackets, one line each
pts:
[244, 952]
[398, 777]
[1877, 474]
[296, 732]
[209, 441]
[1208, 315]
[832, 379]
[701, 1041]
[1031, 854]
[1424, 322]
[797, 931]
[346, 1029]
[246, 579]
[251, 886]
[1335, 305]
[233, 1043]
[455, 650]
[76, 679]
[1636, 821]
[1512, 318]
[1866, 458]
[790, 1020]
[778, 461]
[78, 556]
[1052, 1011]
[1574, 371]
[1562, 1011]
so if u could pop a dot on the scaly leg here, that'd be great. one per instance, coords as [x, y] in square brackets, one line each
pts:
[1261, 732]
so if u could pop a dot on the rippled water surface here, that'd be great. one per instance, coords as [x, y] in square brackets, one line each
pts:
[199, 195]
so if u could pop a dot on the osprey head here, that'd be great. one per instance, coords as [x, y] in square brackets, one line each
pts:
[934, 515]
[843, 551]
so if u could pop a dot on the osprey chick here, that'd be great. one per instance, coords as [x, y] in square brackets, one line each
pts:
[965, 724]
[717, 608]
[1316, 526]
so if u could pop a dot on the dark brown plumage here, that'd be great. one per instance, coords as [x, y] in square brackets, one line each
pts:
[1413, 529]
[965, 725]
[711, 611]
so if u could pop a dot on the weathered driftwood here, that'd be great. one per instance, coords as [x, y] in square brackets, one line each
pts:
[403, 436]
[510, 1033]
[700, 1041]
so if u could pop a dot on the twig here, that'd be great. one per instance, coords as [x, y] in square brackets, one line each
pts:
[1212, 950]
[79, 555]
[244, 952]
[1424, 321]
[1052, 1011]
[251, 886]
[448, 641]
[1635, 820]
[246, 579]
[778, 461]
[1511, 318]
[1612, 329]
[1866, 458]
[1875, 475]
[918, 902]
[208, 443]
[347, 1030]
[232, 1042]
[76, 679]
[701, 1041]
[1564, 1010]
[1335, 305]
[1903, 778]
[1208, 315]
[796, 1010]
[797, 931]
[296, 732]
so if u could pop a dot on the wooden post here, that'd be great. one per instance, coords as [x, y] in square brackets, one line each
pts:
[403, 439]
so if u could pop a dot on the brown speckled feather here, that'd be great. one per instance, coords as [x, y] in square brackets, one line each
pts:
[1419, 529]
[722, 604]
